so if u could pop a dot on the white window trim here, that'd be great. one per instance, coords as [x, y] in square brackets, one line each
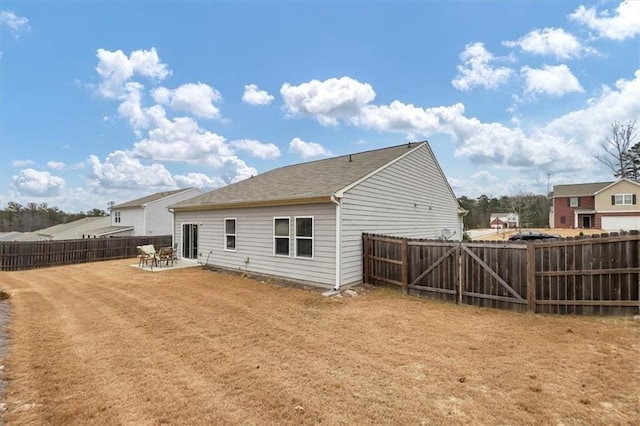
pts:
[117, 217]
[224, 242]
[623, 203]
[273, 231]
[312, 238]
[577, 204]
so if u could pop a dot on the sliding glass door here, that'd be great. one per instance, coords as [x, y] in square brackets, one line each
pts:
[190, 241]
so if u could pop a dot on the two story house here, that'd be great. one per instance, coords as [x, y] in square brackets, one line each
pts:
[611, 206]
[149, 215]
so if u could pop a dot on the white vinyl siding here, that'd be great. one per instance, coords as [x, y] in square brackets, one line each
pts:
[410, 198]
[256, 241]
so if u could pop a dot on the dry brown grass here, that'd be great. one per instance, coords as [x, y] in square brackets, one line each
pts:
[104, 343]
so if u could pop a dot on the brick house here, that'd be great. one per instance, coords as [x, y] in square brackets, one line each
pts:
[503, 220]
[611, 206]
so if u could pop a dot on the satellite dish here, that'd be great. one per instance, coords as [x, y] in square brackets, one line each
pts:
[446, 233]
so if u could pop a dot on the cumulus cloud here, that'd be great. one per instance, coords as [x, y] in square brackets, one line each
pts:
[198, 180]
[307, 149]
[254, 96]
[115, 69]
[482, 182]
[37, 183]
[476, 69]
[551, 41]
[22, 163]
[256, 148]
[121, 170]
[195, 98]
[17, 24]
[55, 165]
[327, 101]
[622, 23]
[550, 80]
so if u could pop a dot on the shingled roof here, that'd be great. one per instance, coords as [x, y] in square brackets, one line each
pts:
[578, 189]
[149, 198]
[310, 182]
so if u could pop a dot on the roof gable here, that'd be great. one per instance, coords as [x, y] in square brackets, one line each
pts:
[314, 181]
[139, 202]
[612, 184]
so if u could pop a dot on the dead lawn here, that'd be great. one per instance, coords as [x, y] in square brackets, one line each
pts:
[104, 343]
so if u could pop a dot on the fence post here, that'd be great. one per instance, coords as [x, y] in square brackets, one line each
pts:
[365, 261]
[405, 266]
[531, 278]
[460, 273]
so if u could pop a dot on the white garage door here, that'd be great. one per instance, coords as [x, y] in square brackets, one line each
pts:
[616, 223]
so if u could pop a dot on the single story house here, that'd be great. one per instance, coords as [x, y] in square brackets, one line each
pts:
[504, 220]
[304, 222]
[149, 215]
[611, 206]
[87, 227]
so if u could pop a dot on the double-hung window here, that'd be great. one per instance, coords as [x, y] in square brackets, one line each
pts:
[230, 234]
[304, 237]
[574, 202]
[281, 232]
[623, 199]
[116, 217]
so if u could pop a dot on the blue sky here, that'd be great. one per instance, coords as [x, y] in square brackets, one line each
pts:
[109, 101]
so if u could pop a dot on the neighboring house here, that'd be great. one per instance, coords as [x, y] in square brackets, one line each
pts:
[149, 215]
[504, 220]
[88, 227]
[611, 206]
[305, 222]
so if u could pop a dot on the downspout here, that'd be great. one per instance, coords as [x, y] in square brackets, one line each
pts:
[144, 220]
[336, 201]
[173, 228]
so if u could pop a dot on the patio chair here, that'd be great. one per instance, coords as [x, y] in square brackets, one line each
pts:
[147, 255]
[165, 255]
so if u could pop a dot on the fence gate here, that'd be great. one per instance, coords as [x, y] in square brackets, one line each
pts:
[494, 275]
[433, 269]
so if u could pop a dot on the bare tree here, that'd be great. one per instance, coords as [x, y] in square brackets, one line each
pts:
[616, 148]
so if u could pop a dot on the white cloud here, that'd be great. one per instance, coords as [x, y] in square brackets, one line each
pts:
[56, 165]
[22, 163]
[551, 41]
[477, 70]
[121, 170]
[620, 24]
[256, 148]
[194, 98]
[327, 100]
[479, 183]
[254, 96]
[550, 80]
[307, 149]
[198, 180]
[36, 183]
[115, 69]
[17, 24]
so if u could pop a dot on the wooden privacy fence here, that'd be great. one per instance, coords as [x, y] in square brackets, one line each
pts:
[21, 255]
[596, 275]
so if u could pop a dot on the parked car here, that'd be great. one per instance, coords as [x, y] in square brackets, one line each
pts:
[532, 235]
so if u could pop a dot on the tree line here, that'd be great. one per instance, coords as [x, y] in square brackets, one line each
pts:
[33, 216]
[533, 210]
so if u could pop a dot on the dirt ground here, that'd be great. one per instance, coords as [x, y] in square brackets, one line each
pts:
[105, 343]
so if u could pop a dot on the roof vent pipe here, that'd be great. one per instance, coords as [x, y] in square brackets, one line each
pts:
[350, 160]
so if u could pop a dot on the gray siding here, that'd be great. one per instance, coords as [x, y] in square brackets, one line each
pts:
[410, 198]
[158, 220]
[254, 239]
